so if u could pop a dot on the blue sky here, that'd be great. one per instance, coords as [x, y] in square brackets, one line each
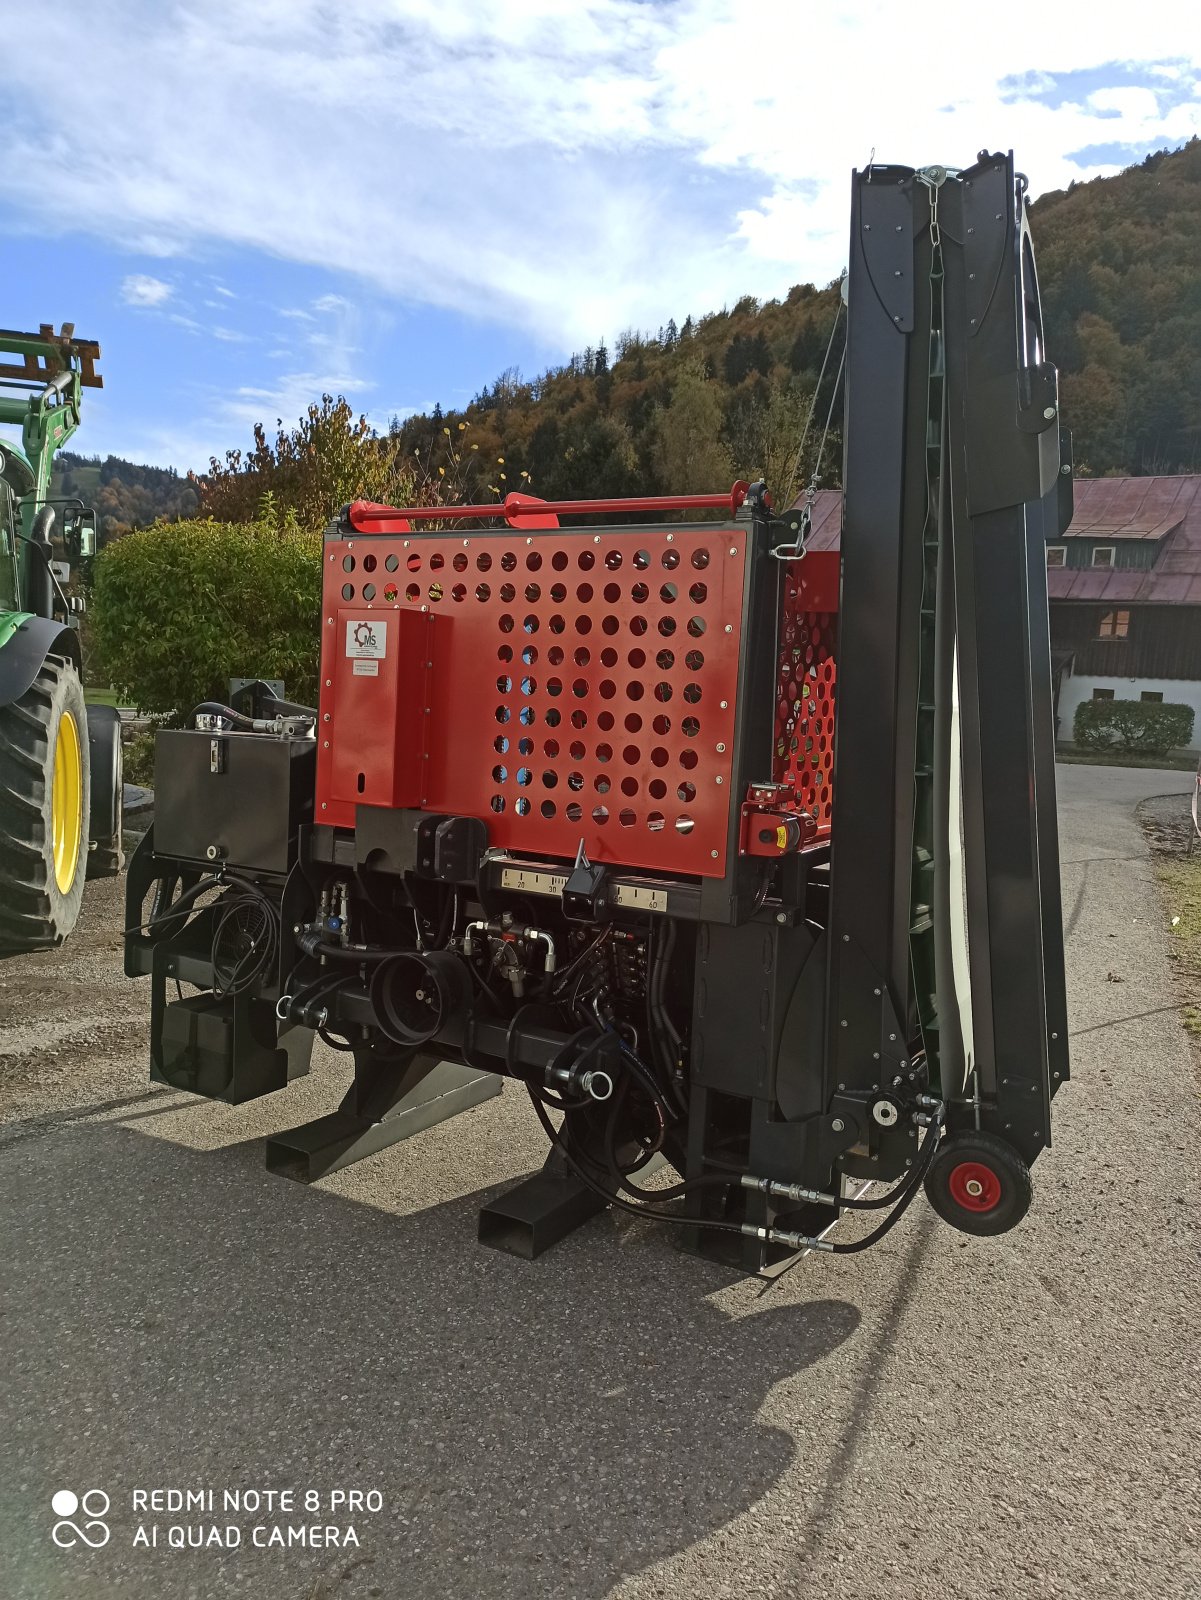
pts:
[399, 199]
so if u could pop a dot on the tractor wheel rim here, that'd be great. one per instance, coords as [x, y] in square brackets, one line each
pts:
[66, 802]
[974, 1186]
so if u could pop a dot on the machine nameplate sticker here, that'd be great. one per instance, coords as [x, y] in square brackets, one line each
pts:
[364, 669]
[367, 641]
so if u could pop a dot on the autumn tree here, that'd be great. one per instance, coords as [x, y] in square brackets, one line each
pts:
[330, 458]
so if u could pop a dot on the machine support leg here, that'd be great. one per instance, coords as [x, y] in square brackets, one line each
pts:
[539, 1211]
[392, 1098]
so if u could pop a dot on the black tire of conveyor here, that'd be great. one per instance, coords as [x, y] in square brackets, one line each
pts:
[35, 914]
[1013, 1175]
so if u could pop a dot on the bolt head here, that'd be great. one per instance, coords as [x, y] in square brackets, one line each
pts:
[782, 916]
[838, 1125]
[1048, 412]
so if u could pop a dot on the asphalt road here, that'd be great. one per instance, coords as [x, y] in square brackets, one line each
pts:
[941, 1417]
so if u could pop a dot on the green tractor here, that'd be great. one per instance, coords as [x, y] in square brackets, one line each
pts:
[60, 760]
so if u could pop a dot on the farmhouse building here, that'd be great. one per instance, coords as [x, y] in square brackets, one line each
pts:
[1125, 591]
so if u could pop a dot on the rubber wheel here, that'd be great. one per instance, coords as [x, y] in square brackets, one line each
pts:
[979, 1184]
[44, 801]
[107, 789]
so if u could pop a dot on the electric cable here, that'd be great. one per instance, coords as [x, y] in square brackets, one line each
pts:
[656, 1215]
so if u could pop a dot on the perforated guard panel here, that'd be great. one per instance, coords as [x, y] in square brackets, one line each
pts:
[804, 749]
[582, 687]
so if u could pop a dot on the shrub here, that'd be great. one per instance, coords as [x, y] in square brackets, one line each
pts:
[1144, 726]
[180, 608]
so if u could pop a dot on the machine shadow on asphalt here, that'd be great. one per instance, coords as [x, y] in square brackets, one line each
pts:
[559, 1401]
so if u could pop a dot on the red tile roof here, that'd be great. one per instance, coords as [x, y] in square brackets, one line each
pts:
[1167, 510]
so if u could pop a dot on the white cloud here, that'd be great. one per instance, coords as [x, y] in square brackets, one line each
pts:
[569, 166]
[140, 290]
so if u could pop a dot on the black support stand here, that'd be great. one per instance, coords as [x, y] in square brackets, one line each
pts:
[393, 1096]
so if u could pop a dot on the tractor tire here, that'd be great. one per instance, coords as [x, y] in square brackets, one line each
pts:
[44, 800]
[107, 792]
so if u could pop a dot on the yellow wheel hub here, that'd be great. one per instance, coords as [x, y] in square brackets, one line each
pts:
[66, 802]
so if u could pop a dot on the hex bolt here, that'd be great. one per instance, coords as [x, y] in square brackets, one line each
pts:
[782, 916]
[724, 704]
[729, 627]
[733, 549]
[721, 749]
[875, 991]
[1048, 412]
[843, 1022]
[713, 853]
[719, 780]
[838, 1125]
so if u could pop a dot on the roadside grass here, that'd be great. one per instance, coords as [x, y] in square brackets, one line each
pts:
[1174, 761]
[101, 697]
[1180, 885]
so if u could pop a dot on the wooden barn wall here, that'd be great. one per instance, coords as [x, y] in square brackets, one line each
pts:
[1164, 641]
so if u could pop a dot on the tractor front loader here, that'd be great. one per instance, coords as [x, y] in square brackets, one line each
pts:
[60, 760]
[739, 856]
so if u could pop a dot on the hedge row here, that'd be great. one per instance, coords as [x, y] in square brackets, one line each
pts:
[180, 608]
[1149, 727]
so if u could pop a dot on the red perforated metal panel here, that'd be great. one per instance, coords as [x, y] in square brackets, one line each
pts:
[583, 687]
[804, 752]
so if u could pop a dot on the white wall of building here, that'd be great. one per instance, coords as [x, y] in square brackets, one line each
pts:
[1176, 691]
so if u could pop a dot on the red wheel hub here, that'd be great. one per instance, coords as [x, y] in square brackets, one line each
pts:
[974, 1186]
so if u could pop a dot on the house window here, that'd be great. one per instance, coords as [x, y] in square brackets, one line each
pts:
[1057, 555]
[1114, 625]
[1103, 555]
[1153, 695]
[1102, 694]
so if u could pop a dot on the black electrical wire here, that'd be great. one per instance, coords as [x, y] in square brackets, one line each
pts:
[577, 961]
[927, 1155]
[609, 1198]
[177, 907]
[933, 1139]
[214, 708]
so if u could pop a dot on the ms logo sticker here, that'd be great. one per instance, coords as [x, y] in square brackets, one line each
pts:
[367, 645]
[93, 1507]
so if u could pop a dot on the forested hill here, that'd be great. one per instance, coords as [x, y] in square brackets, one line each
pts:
[124, 494]
[709, 397]
[1119, 263]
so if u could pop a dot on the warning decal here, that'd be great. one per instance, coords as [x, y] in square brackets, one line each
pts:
[367, 641]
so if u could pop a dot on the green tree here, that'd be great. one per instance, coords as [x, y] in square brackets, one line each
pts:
[690, 454]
